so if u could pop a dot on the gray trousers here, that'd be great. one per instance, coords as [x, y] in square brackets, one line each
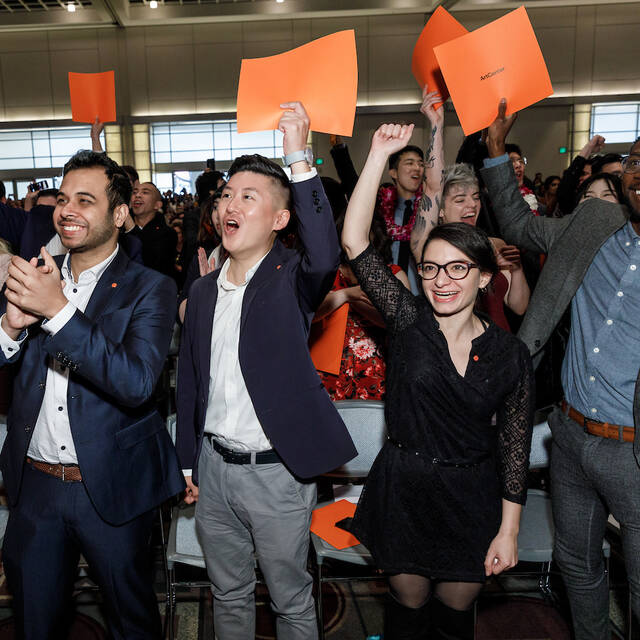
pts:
[261, 509]
[590, 478]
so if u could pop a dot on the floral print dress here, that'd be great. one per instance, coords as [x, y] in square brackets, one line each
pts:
[363, 369]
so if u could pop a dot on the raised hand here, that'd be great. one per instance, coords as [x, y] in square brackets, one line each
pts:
[390, 138]
[499, 129]
[595, 145]
[294, 123]
[96, 129]
[429, 99]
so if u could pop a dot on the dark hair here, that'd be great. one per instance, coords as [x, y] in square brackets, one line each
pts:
[548, 181]
[614, 182]
[119, 186]
[599, 161]
[512, 148]
[131, 172]
[46, 193]
[637, 140]
[206, 183]
[206, 209]
[263, 166]
[336, 196]
[3, 190]
[394, 158]
[377, 234]
[473, 242]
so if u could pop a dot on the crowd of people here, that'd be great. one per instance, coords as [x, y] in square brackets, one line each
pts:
[458, 280]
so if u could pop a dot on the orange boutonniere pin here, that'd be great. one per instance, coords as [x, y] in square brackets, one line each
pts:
[279, 266]
[114, 285]
[475, 358]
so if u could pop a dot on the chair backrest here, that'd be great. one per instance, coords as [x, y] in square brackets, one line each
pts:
[367, 428]
[540, 446]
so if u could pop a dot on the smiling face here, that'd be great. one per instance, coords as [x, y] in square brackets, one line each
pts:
[461, 204]
[409, 173]
[251, 211]
[631, 180]
[600, 189]
[82, 217]
[446, 295]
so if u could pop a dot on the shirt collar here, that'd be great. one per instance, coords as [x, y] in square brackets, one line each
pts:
[88, 275]
[229, 286]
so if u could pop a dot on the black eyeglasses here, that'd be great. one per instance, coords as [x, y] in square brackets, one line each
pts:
[631, 164]
[456, 269]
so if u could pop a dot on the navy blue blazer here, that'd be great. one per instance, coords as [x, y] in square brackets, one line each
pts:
[115, 352]
[289, 399]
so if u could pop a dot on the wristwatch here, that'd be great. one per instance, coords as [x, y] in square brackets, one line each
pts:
[297, 156]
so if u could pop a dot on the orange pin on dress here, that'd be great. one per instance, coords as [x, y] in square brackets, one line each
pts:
[114, 285]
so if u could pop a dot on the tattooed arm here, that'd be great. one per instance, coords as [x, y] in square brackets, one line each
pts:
[427, 214]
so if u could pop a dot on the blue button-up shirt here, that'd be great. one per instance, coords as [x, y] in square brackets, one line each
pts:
[603, 355]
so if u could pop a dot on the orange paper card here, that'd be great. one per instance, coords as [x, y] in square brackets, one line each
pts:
[501, 59]
[322, 74]
[323, 524]
[93, 95]
[440, 28]
[326, 340]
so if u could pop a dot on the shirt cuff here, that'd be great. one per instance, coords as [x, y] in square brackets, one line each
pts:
[187, 473]
[494, 162]
[60, 319]
[307, 175]
[10, 347]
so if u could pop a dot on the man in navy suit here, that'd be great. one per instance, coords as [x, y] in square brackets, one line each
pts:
[255, 424]
[87, 457]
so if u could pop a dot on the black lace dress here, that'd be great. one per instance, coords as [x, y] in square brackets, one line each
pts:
[432, 501]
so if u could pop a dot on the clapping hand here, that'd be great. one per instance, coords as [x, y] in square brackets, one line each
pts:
[508, 258]
[429, 99]
[390, 138]
[35, 291]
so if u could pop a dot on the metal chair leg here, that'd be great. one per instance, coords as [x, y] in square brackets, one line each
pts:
[319, 600]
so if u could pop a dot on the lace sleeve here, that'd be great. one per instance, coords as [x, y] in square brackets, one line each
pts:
[515, 424]
[387, 294]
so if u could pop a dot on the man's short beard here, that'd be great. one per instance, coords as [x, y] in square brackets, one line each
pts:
[634, 215]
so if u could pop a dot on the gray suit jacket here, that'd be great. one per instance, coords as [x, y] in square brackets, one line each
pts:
[570, 243]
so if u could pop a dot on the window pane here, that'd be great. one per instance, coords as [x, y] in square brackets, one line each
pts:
[617, 122]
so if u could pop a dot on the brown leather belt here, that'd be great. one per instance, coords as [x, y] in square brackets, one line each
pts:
[66, 472]
[601, 429]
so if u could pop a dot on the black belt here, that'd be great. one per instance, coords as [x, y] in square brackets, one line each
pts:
[460, 464]
[238, 457]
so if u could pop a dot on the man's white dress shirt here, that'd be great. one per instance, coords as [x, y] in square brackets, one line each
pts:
[52, 440]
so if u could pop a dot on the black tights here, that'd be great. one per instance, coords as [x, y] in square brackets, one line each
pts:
[414, 591]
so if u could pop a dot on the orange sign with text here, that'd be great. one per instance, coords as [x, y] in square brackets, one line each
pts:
[440, 28]
[93, 95]
[322, 74]
[500, 60]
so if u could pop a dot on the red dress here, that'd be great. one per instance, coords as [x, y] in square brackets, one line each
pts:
[363, 369]
[492, 302]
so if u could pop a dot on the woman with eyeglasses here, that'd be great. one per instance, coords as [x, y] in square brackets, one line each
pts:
[441, 507]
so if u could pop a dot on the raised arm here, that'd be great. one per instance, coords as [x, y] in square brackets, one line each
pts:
[316, 228]
[517, 224]
[386, 292]
[427, 214]
[388, 139]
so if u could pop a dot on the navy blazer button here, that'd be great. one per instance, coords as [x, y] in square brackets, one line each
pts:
[318, 209]
[314, 193]
[537, 343]
[27, 428]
